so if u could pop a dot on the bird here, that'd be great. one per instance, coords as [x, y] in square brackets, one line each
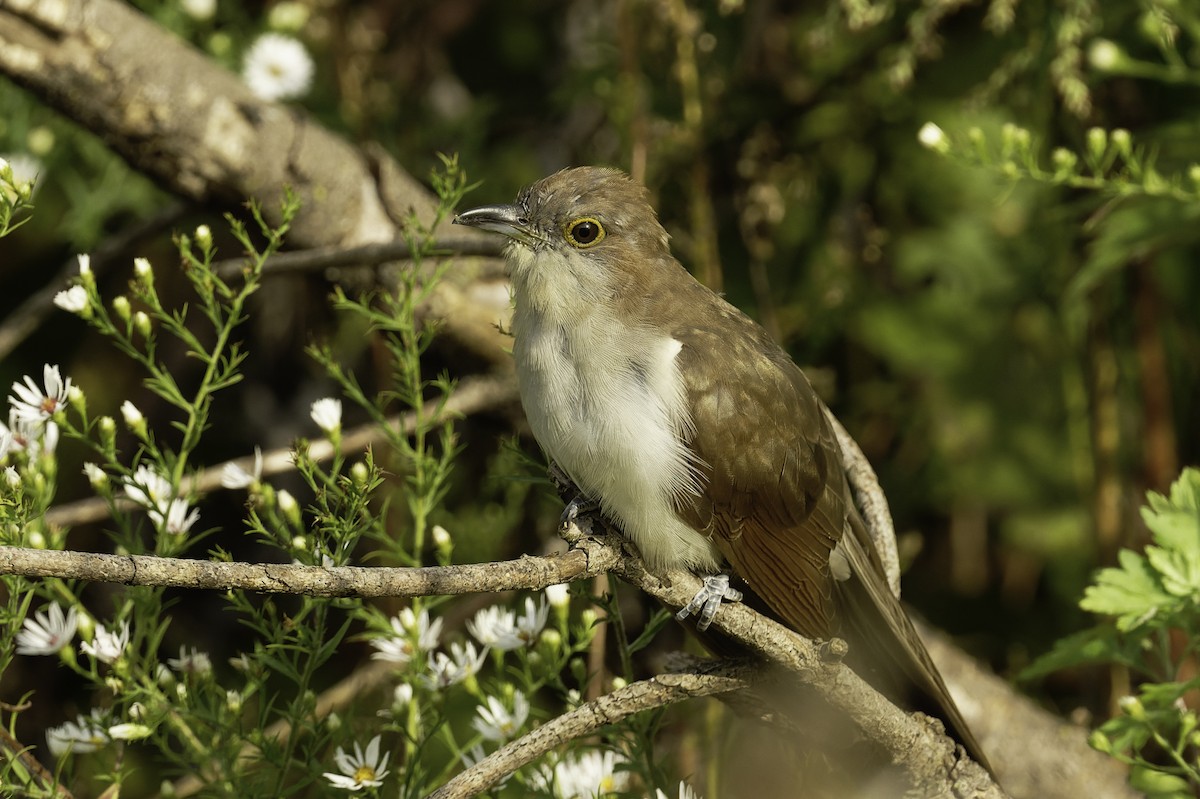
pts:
[692, 428]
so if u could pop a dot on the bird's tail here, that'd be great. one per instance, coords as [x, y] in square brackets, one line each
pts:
[885, 648]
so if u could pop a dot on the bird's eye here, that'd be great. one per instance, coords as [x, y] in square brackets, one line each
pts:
[584, 232]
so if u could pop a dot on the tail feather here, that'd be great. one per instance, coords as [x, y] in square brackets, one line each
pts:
[885, 648]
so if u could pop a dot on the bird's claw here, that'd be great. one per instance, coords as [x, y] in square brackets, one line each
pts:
[570, 514]
[708, 599]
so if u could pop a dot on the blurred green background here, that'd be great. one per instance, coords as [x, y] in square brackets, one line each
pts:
[1019, 360]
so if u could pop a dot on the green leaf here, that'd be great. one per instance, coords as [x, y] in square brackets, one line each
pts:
[1179, 572]
[655, 624]
[1132, 592]
[1175, 519]
[1098, 645]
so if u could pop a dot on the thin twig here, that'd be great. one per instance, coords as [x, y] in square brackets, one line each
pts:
[363, 255]
[665, 689]
[469, 396]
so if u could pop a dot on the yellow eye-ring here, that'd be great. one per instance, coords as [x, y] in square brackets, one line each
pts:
[584, 232]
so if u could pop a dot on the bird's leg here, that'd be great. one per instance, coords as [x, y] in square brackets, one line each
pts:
[576, 505]
[706, 601]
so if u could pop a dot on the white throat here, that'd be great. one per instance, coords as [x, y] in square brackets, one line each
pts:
[606, 402]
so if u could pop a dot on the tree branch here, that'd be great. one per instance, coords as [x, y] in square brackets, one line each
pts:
[176, 115]
[714, 677]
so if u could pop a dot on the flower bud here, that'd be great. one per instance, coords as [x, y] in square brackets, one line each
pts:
[143, 271]
[121, 307]
[204, 238]
[933, 138]
[1097, 142]
[129, 732]
[1132, 706]
[289, 507]
[359, 473]
[95, 475]
[559, 595]
[141, 323]
[1122, 141]
[1099, 741]
[134, 419]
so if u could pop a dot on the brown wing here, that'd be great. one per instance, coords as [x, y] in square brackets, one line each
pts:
[778, 505]
[773, 498]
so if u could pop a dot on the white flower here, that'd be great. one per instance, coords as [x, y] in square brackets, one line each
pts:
[413, 634]
[327, 413]
[195, 662]
[36, 405]
[583, 776]
[199, 10]
[531, 622]
[446, 670]
[495, 627]
[46, 633]
[73, 300]
[177, 521]
[24, 434]
[558, 595]
[685, 792]
[234, 476]
[12, 477]
[6, 441]
[277, 67]
[85, 263]
[496, 723]
[360, 770]
[150, 489]
[86, 734]
[142, 268]
[933, 138]
[105, 646]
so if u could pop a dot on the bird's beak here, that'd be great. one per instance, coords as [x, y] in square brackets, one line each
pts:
[507, 219]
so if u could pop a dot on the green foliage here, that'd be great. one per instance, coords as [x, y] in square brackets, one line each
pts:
[1152, 602]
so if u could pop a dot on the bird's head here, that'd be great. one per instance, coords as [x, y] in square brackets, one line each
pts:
[591, 223]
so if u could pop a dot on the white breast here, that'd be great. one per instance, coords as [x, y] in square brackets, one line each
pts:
[607, 404]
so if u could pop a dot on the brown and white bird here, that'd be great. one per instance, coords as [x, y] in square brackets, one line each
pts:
[690, 427]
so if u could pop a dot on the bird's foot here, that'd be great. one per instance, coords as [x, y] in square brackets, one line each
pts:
[834, 650]
[706, 601]
[570, 515]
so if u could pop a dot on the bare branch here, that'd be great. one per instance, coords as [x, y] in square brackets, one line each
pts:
[280, 578]
[714, 678]
[871, 501]
[178, 116]
[319, 258]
